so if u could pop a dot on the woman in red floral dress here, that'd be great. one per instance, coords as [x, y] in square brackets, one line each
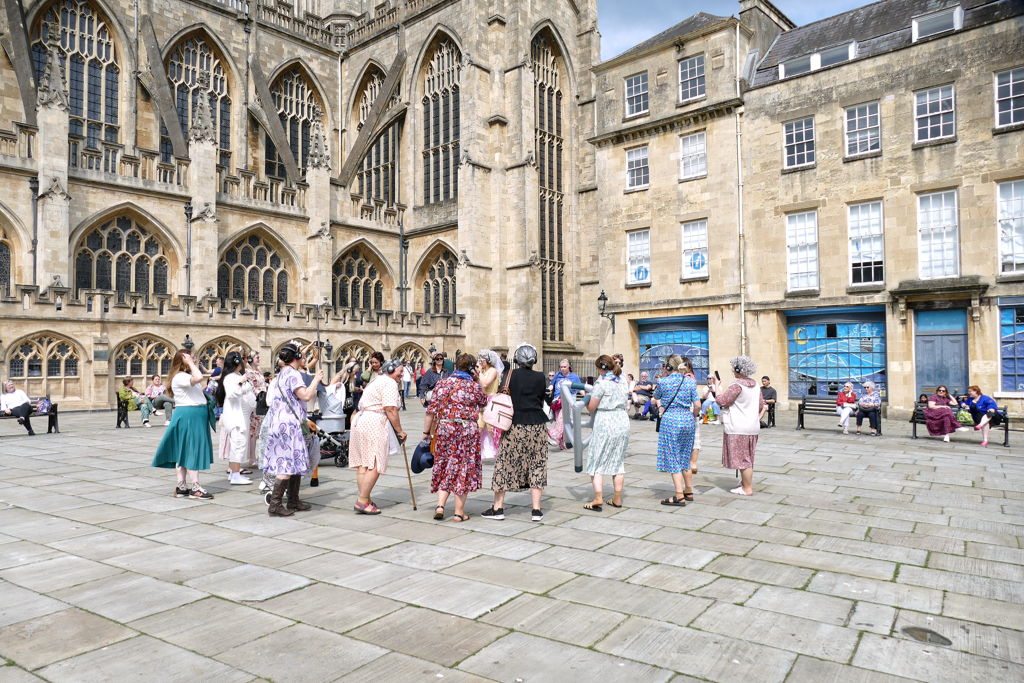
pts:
[456, 405]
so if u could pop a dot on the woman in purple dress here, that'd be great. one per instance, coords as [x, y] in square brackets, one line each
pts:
[940, 415]
[286, 456]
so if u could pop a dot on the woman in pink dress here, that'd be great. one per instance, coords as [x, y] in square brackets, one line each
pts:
[743, 407]
[376, 433]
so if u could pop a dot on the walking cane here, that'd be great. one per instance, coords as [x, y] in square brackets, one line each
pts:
[409, 473]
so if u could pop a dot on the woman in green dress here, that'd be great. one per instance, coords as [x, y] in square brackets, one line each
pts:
[608, 441]
[186, 445]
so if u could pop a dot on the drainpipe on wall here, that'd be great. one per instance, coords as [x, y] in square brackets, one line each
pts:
[33, 184]
[739, 208]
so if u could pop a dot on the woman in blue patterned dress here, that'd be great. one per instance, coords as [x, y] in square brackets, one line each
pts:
[608, 441]
[679, 402]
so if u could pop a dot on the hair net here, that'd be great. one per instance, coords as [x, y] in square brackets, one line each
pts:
[525, 356]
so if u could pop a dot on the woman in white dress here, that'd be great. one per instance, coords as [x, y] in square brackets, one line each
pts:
[236, 395]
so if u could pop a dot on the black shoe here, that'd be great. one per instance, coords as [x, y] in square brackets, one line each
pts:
[199, 492]
[537, 516]
[491, 513]
[181, 491]
[21, 421]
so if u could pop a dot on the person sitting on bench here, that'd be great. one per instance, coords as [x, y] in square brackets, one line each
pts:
[642, 397]
[984, 411]
[156, 393]
[15, 402]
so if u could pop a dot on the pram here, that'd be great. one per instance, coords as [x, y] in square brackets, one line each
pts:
[323, 444]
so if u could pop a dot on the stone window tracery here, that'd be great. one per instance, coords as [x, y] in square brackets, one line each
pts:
[294, 96]
[218, 348]
[90, 67]
[441, 130]
[439, 285]
[253, 271]
[142, 358]
[6, 264]
[354, 349]
[45, 364]
[123, 256]
[356, 282]
[550, 143]
[188, 59]
[411, 355]
[377, 176]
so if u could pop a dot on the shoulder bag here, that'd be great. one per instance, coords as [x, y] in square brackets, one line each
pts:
[304, 424]
[262, 407]
[657, 423]
[498, 411]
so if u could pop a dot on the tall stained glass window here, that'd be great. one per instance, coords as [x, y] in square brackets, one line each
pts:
[121, 255]
[294, 97]
[378, 175]
[252, 271]
[441, 124]
[550, 142]
[188, 59]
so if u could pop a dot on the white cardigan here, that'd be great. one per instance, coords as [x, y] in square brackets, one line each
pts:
[239, 402]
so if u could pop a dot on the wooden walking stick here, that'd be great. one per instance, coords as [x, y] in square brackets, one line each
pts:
[409, 473]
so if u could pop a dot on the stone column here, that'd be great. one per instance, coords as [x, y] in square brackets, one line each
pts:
[51, 251]
[202, 182]
[319, 245]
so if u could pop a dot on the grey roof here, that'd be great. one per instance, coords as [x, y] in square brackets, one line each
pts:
[878, 28]
[697, 22]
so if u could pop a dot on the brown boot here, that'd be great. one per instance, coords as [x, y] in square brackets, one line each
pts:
[277, 508]
[293, 495]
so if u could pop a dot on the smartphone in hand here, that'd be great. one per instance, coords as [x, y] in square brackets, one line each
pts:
[717, 376]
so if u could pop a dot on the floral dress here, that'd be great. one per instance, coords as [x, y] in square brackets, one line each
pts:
[456, 405]
[607, 451]
[675, 438]
[286, 451]
[255, 421]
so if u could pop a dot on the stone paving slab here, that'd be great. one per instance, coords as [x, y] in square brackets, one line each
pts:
[34, 643]
[451, 594]
[516, 575]
[331, 607]
[568, 622]
[60, 572]
[126, 597]
[925, 662]
[395, 666]
[442, 638]
[249, 582]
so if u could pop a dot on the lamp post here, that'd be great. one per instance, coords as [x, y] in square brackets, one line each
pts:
[188, 345]
[188, 248]
[33, 184]
[602, 302]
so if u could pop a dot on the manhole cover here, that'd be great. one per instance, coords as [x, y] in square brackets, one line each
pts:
[926, 635]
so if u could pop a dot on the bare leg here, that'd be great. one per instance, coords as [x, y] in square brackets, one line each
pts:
[235, 466]
[693, 459]
[688, 478]
[535, 495]
[747, 480]
[460, 504]
[617, 482]
[366, 485]
[180, 471]
[984, 430]
[194, 476]
[499, 500]
[677, 481]
[442, 498]
[598, 481]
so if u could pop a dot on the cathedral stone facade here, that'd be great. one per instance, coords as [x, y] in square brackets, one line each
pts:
[400, 176]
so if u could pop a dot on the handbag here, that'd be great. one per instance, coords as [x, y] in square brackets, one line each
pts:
[498, 412]
[262, 407]
[657, 423]
[43, 406]
[306, 431]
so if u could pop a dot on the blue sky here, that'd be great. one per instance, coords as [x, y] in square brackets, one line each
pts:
[624, 23]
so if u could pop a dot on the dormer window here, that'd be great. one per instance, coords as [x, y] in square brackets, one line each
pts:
[818, 60]
[951, 19]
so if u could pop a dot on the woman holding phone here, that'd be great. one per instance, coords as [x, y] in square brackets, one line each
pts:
[743, 407]
[186, 445]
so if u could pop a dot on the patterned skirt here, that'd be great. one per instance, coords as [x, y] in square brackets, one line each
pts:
[522, 461]
[457, 460]
[738, 451]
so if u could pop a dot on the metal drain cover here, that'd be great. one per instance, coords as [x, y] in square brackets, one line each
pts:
[926, 635]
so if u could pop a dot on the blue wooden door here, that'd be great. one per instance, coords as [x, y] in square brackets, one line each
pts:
[941, 351]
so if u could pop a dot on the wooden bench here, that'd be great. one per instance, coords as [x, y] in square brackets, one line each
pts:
[825, 405]
[918, 418]
[52, 426]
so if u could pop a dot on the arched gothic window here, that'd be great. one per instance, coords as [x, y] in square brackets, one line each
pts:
[441, 124]
[549, 141]
[6, 264]
[252, 271]
[142, 358]
[411, 355]
[123, 256]
[90, 66]
[190, 57]
[218, 348]
[294, 97]
[45, 364]
[439, 285]
[378, 173]
[356, 282]
[354, 349]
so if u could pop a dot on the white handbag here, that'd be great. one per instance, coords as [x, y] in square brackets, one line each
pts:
[498, 412]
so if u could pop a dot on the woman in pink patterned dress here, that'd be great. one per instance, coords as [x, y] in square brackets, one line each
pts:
[255, 376]
[376, 433]
[456, 406]
[743, 407]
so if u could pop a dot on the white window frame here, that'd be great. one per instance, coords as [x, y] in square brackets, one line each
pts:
[636, 153]
[695, 242]
[1010, 222]
[1019, 70]
[801, 250]
[875, 234]
[645, 92]
[814, 60]
[807, 152]
[702, 67]
[638, 255]
[958, 22]
[695, 159]
[928, 114]
[877, 137]
[953, 227]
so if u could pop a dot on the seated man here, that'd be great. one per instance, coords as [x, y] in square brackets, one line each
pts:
[641, 397]
[15, 402]
[771, 396]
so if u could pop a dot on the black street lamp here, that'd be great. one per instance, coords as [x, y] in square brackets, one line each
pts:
[187, 344]
[188, 249]
[328, 349]
[602, 302]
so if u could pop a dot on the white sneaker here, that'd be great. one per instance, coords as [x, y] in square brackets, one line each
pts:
[963, 429]
[946, 438]
[158, 412]
[145, 423]
[237, 479]
[167, 421]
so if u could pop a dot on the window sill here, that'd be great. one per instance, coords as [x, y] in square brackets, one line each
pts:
[869, 288]
[702, 176]
[1009, 277]
[865, 155]
[634, 117]
[802, 293]
[933, 143]
[631, 190]
[695, 278]
[638, 285]
[1008, 394]
[797, 169]
[687, 103]
[1009, 128]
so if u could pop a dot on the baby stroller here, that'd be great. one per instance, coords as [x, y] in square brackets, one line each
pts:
[335, 445]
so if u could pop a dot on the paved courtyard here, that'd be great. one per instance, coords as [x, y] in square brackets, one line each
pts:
[104, 576]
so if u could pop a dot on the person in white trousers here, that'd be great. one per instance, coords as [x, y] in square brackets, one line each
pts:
[236, 395]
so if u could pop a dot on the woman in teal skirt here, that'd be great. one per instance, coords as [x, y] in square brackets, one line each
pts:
[607, 451]
[679, 402]
[186, 445]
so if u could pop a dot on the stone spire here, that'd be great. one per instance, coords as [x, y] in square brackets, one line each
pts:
[202, 128]
[319, 154]
[53, 87]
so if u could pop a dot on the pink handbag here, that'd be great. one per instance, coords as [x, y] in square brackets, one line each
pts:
[498, 412]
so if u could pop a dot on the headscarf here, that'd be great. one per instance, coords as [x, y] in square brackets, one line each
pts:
[493, 360]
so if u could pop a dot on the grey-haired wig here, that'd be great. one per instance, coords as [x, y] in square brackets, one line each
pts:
[391, 366]
[491, 357]
[743, 365]
[525, 356]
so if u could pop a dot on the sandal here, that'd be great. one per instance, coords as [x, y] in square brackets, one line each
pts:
[459, 518]
[592, 507]
[688, 497]
[366, 508]
[612, 503]
[674, 501]
[439, 515]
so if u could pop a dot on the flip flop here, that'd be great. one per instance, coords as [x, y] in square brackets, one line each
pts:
[674, 501]
[592, 507]
[608, 502]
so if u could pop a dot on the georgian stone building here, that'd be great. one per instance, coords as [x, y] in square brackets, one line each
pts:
[402, 175]
[842, 200]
